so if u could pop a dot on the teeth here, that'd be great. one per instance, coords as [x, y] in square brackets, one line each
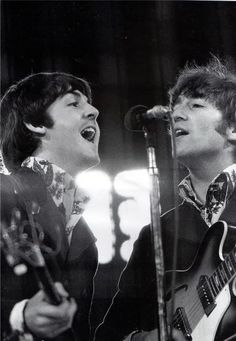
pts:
[180, 132]
[88, 133]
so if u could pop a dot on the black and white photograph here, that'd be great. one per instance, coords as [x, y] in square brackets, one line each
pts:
[118, 170]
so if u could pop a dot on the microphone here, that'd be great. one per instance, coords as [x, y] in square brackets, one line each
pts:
[139, 116]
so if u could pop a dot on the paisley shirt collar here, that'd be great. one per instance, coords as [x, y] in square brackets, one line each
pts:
[218, 194]
[68, 197]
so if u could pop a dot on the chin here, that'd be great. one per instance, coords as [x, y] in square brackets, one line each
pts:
[91, 162]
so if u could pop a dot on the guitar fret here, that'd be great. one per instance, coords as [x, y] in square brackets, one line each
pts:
[220, 278]
[229, 265]
[208, 288]
[223, 274]
[216, 282]
[232, 257]
[213, 287]
[226, 271]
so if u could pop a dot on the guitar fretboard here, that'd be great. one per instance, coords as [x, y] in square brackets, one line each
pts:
[223, 273]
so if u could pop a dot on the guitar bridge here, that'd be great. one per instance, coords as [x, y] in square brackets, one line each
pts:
[181, 323]
[206, 295]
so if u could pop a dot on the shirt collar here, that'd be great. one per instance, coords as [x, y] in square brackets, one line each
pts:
[56, 179]
[224, 182]
[68, 197]
[186, 192]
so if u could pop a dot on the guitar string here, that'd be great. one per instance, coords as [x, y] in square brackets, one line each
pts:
[192, 313]
[195, 312]
[197, 306]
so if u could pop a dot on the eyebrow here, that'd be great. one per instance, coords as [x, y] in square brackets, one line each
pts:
[177, 101]
[77, 93]
[74, 92]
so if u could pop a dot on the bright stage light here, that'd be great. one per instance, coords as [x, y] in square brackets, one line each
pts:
[133, 212]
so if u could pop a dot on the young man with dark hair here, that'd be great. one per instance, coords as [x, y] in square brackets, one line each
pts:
[203, 103]
[49, 133]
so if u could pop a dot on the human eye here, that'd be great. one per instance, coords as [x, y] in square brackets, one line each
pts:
[73, 104]
[197, 105]
[73, 100]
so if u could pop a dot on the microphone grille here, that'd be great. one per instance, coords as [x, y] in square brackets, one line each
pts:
[132, 120]
[159, 112]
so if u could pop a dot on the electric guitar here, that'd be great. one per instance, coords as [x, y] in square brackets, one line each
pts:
[22, 245]
[202, 293]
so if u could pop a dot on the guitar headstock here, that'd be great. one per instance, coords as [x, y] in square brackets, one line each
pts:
[22, 241]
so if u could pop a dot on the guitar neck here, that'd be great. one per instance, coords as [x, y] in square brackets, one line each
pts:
[224, 273]
[47, 284]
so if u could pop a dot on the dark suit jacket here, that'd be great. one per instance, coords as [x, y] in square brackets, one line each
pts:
[134, 305]
[73, 265]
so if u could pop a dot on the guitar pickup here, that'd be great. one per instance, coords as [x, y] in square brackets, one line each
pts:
[181, 323]
[206, 295]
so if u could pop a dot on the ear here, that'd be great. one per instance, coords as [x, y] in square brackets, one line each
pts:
[36, 129]
[231, 134]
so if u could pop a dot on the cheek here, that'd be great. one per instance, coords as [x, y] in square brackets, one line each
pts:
[68, 129]
[221, 128]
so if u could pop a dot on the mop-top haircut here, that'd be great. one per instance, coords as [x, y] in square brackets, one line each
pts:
[215, 82]
[27, 102]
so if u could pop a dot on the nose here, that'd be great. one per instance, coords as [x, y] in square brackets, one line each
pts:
[179, 113]
[91, 112]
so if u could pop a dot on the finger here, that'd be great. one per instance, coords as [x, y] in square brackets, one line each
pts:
[50, 327]
[61, 290]
[50, 331]
[55, 313]
[44, 323]
[61, 312]
[39, 296]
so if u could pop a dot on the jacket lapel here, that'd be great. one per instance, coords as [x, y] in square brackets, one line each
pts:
[82, 237]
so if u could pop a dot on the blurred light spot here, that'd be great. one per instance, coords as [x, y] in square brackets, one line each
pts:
[98, 211]
[134, 213]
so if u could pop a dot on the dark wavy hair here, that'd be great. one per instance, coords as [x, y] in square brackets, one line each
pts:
[215, 82]
[28, 101]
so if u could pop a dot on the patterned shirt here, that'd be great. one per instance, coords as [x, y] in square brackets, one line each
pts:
[217, 197]
[68, 197]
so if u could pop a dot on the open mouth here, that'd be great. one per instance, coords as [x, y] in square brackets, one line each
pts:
[180, 132]
[88, 134]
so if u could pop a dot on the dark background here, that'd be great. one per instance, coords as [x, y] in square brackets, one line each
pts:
[131, 52]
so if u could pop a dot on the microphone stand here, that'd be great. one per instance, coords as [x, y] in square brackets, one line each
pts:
[149, 135]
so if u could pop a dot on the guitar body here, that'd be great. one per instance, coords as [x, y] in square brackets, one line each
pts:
[207, 327]
[196, 312]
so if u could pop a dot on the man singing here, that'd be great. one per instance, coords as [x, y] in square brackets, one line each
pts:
[49, 133]
[203, 102]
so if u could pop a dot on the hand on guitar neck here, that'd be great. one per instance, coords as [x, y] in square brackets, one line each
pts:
[44, 319]
[50, 311]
